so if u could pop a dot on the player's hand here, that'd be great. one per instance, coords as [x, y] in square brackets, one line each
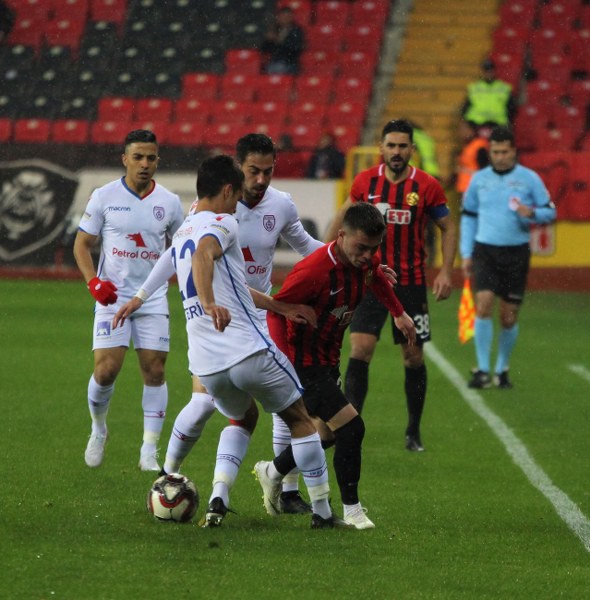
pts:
[220, 316]
[300, 313]
[442, 286]
[406, 325]
[389, 273]
[103, 291]
[126, 311]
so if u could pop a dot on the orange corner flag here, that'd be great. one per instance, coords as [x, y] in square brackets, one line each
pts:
[466, 313]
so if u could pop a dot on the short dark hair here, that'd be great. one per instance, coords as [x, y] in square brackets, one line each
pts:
[215, 172]
[501, 133]
[364, 217]
[398, 126]
[254, 143]
[141, 136]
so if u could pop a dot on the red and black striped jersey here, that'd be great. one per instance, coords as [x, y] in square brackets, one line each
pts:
[334, 290]
[406, 207]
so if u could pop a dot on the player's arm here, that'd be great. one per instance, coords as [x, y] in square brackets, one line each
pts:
[469, 218]
[336, 224]
[203, 265]
[299, 313]
[163, 270]
[295, 235]
[442, 285]
[103, 291]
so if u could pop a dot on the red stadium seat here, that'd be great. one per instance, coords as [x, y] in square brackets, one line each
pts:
[545, 94]
[292, 163]
[319, 62]
[244, 61]
[304, 136]
[555, 138]
[518, 13]
[579, 43]
[371, 12]
[509, 39]
[313, 88]
[301, 10]
[555, 68]
[346, 113]
[357, 61]
[114, 11]
[324, 37]
[529, 120]
[363, 36]
[308, 113]
[547, 41]
[220, 135]
[76, 10]
[28, 32]
[353, 89]
[33, 9]
[578, 94]
[153, 109]
[509, 67]
[270, 128]
[203, 86]
[333, 12]
[560, 14]
[185, 133]
[346, 136]
[192, 110]
[5, 130]
[115, 108]
[109, 132]
[159, 127]
[239, 87]
[269, 112]
[64, 32]
[569, 117]
[274, 88]
[231, 112]
[69, 131]
[32, 130]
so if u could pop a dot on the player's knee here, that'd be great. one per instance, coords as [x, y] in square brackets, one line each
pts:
[352, 433]
[249, 421]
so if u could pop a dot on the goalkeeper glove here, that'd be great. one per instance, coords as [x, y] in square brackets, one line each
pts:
[103, 291]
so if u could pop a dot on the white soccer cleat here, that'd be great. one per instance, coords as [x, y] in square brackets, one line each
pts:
[149, 461]
[95, 449]
[271, 491]
[358, 518]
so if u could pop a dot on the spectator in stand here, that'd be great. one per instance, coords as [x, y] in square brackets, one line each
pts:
[7, 18]
[425, 155]
[326, 162]
[489, 100]
[474, 155]
[283, 42]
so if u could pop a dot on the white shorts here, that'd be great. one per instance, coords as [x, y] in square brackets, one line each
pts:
[148, 332]
[267, 377]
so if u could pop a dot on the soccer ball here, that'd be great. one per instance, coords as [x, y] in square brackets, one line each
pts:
[173, 497]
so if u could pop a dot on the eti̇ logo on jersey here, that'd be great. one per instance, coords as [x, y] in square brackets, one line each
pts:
[159, 212]
[136, 237]
[268, 221]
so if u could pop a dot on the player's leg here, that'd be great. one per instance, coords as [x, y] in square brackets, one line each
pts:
[109, 348]
[188, 426]
[365, 328]
[151, 339]
[415, 385]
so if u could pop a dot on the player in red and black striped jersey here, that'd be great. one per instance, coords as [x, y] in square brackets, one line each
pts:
[334, 280]
[407, 198]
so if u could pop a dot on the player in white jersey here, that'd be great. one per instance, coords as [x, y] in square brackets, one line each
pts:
[229, 347]
[134, 217]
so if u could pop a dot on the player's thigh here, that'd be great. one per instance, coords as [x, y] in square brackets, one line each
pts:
[486, 273]
[369, 316]
[415, 302]
[323, 396]
[230, 400]
[514, 268]
[151, 332]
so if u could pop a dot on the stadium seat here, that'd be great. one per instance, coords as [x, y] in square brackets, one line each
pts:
[159, 83]
[96, 57]
[579, 45]
[271, 128]
[100, 33]
[269, 112]
[321, 63]
[220, 135]
[346, 113]
[243, 61]
[529, 119]
[201, 86]
[185, 133]
[159, 127]
[76, 10]
[360, 36]
[371, 12]
[313, 88]
[510, 40]
[357, 61]
[554, 68]
[40, 106]
[5, 130]
[115, 108]
[33, 9]
[324, 37]
[275, 88]
[307, 113]
[547, 41]
[554, 138]
[109, 132]
[17, 56]
[153, 109]
[230, 112]
[78, 107]
[292, 163]
[192, 110]
[28, 32]
[331, 12]
[559, 14]
[108, 10]
[346, 136]
[68, 131]
[10, 105]
[509, 67]
[545, 94]
[239, 87]
[304, 136]
[302, 10]
[32, 131]
[569, 117]
[518, 13]
[353, 89]
[64, 32]
[169, 59]
[578, 94]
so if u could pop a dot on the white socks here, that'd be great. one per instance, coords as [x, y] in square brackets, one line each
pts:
[99, 397]
[281, 438]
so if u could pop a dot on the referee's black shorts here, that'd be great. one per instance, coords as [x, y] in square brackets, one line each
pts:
[370, 315]
[502, 270]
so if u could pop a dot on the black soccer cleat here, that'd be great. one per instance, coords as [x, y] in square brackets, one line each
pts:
[502, 381]
[480, 380]
[292, 503]
[215, 514]
[413, 443]
[332, 522]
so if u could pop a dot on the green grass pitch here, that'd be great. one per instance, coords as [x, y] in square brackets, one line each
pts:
[460, 520]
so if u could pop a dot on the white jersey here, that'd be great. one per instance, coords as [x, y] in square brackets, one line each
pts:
[211, 351]
[260, 227]
[133, 232]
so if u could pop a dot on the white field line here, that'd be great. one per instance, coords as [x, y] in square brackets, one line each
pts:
[569, 512]
[580, 370]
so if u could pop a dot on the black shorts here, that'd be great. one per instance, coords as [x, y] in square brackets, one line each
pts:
[323, 396]
[370, 315]
[502, 270]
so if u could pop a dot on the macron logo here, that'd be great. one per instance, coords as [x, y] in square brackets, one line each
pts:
[136, 237]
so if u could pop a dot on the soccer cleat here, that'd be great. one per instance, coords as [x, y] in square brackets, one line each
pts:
[292, 503]
[480, 380]
[502, 381]
[95, 449]
[149, 461]
[332, 522]
[358, 519]
[271, 491]
[216, 511]
[413, 443]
